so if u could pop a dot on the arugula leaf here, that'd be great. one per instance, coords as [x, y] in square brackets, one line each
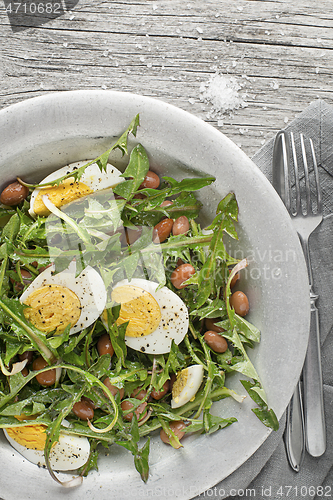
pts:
[266, 415]
[141, 461]
[192, 184]
[11, 229]
[210, 424]
[14, 310]
[137, 169]
[27, 406]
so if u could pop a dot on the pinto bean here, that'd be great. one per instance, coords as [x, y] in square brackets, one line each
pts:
[181, 225]
[177, 428]
[131, 235]
[173, 378]
[166, 203]
[113, 389]
[139, 412]
[162, 230]
[83, 409]
[240, 303]
[139, 393]
[26, 355]
[151, 181]
[104, 345]
[162, 392]
[181, 274]
[26, 278]
[46, 378]
[210, 325]
[234, 280]
[13, 194]
[216, 341]
[139, 196]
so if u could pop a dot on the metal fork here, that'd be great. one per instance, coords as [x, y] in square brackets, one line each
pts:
[305, 208]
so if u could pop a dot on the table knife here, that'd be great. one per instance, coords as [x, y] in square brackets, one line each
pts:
[294, 435]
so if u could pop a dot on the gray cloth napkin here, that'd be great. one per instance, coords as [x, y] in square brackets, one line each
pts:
[267, 474]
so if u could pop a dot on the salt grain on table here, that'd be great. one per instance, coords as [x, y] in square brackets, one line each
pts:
[222, 92]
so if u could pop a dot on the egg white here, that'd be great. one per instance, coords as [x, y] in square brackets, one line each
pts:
[172, 326]
[92, 177]
[193, 382]
[88, 286]
[69, 453]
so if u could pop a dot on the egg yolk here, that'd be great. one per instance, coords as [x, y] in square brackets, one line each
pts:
[66, 192]
[179, 384]
[139, 308]
[30, 436]
[52, 307]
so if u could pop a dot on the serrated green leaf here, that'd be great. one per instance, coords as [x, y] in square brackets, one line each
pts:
[136, 170]
[141, 461]
[249, 331]
[267, 417]
[11, 229]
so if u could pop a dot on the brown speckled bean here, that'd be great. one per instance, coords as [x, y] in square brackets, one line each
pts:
[13, 194]
[162, 392]
[181, 274]
[177, 428]
[216, 341]
[166, 203]
[181, 225]
[104, 345]
[83, 410]
[26, 355]
[234, 280]
[210, 324]
[162, 230]
[151, 181]
[127, 405]
[46, 378]
[240, 303]
[139, 393]
[113, 389]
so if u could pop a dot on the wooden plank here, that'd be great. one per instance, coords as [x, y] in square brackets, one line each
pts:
[280, 53]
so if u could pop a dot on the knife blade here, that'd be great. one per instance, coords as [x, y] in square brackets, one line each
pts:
[294, 435]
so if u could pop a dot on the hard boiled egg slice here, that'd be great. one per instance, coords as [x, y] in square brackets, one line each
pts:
[92, 180]
[186, 385]
[56, 300]
[69, 453]
[156, 317]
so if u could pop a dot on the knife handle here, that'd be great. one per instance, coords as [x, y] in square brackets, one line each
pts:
[313, 389]
[294, 434]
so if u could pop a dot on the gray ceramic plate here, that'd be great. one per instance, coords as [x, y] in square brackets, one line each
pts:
[44, 133]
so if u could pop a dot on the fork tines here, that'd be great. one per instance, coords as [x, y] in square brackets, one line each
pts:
[305, 179]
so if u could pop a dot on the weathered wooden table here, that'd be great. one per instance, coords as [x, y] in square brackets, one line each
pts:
[272, 56]
[248, 67]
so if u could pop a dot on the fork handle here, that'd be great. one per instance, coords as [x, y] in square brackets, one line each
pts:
[313, 388]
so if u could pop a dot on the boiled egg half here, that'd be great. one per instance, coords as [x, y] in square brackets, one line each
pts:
[92, 180]
[186, 385]
[69, 453]
[155, 316]
[57, 300]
